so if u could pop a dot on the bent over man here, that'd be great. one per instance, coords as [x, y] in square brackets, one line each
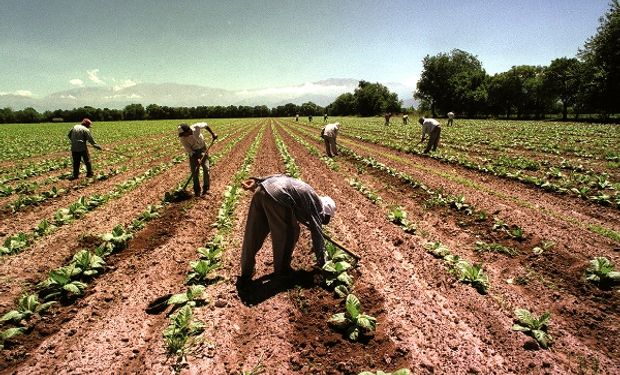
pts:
[194, 144]
[79, 135]
[431, 127]
[279, 204]
[329, 134]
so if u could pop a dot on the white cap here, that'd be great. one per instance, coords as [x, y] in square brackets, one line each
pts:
[337, 125]
[329, 206]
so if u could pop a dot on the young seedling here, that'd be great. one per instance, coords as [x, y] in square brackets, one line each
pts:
[601, 271]
[482, 246]
[353, 321]
[474, 275]
[28, 305]
[533, 326]
[398, 216]
[8, 334]
[194, 296]
[60, 283]
[88, 263]
[181, 333]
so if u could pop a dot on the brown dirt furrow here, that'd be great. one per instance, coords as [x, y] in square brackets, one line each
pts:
[32, 264]
[481, 325]
[109, 332]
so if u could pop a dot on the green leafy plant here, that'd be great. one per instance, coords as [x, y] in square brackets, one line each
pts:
[474, 275]
[194, 296]
[398, 216]
[114, 241]
[44, 227]
[353, 321]
[8, 334]
[482, 246]
[60, 283]
[536, 327]
[14, 244]
[179, 334]
[438, 249]
[201, 270]
[88, 263]
[27, 306]
[601, 270]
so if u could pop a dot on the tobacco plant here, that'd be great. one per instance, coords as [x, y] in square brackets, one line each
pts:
[474, 275]
[181, 332]
[61, 283]
[533, 326]
[8, 334]
[601, 271]
[27, 306]
[353, 321]
[398, 216]
[88, 263]
[194, 296]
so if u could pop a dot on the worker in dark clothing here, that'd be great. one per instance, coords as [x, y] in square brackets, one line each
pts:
[79, 135]
[279, 204]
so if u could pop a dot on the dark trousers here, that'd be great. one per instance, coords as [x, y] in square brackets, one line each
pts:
[77, 157]
[433, 139]
[268, 216]
[193, 166]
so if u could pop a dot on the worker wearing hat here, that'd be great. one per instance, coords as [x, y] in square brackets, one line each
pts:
[79, 135]
[194, 144]
[279, 204]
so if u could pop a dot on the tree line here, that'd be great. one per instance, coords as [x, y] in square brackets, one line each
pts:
[586, 84]
[368, 99]
[455, 81]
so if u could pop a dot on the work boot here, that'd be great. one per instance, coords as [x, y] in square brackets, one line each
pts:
[71, 178]
[89, 175]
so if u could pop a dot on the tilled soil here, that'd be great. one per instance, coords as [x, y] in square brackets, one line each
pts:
[427, 320]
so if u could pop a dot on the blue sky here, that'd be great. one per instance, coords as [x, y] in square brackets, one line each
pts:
[54, 45]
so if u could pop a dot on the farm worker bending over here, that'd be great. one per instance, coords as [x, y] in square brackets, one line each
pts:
[279, 204]
[329, 134]
[405, 119]
[194, 144]
[431, 127]
[79, 135]
[450, 118]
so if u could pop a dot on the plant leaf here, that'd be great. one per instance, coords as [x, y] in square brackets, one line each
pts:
[353, 306]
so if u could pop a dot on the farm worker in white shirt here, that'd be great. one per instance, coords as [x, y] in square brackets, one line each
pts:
[329, 134]
[450, 118]
[194, 144]
[79, 135]
[431, 127]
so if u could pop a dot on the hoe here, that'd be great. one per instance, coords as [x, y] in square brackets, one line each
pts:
[180, 194]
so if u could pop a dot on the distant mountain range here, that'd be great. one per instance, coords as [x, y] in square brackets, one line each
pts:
[177, 95]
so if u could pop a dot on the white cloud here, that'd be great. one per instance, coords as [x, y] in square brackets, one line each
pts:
[68, 97]
[25, 93]
[93, 76]
[122, 96]
[306, 88]
[124, 84]
[76, 82]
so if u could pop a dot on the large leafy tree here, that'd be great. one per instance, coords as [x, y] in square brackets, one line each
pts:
[374, 98]
[344, 105]
[452, 81]
[602, 55]
[562, 80]
[521, 90]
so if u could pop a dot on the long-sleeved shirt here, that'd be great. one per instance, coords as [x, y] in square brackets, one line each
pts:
[330, 130]
[79, 135]
[428, 125]
[195, 141]
[305, 202]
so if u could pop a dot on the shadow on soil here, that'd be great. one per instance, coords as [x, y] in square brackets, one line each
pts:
[259, 290]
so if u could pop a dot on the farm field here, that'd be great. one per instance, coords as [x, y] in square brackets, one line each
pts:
[506, 215]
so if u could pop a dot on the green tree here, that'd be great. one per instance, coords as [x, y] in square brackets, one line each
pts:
[374, 98]
[602, 53]
[344, 105]
[452, 81]
[562, 80]
[134, 112]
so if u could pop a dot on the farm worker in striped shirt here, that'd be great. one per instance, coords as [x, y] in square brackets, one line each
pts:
[450, 118]
[194, 144]
[329, 134]
[279, 204]
[431, 127]
[79, 135]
